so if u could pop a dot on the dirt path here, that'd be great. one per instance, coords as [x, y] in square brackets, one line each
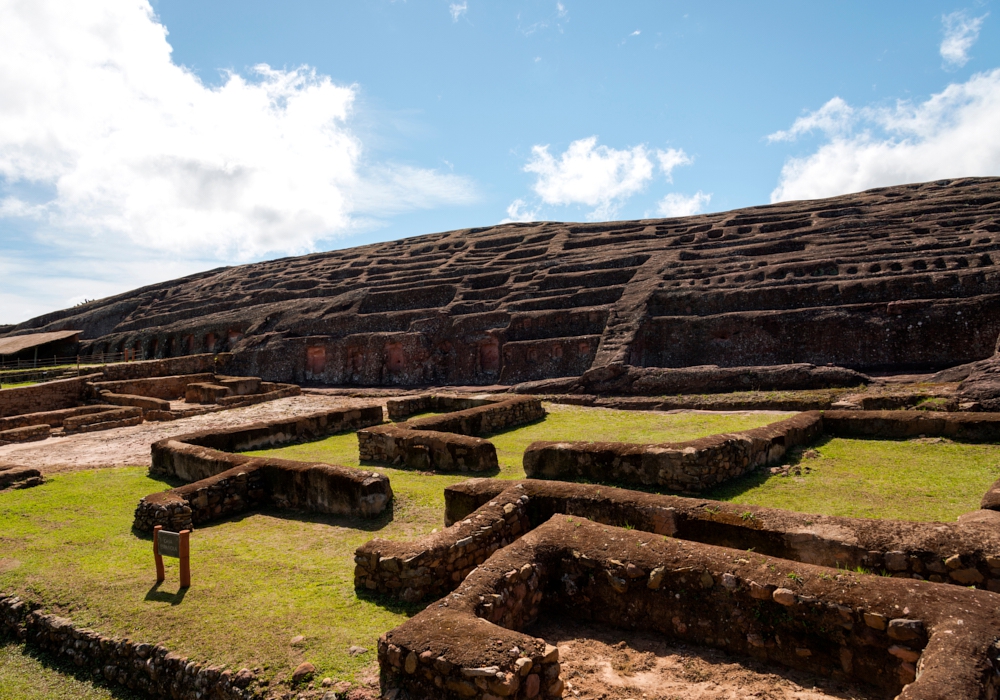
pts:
[602, 663]
[130, 446]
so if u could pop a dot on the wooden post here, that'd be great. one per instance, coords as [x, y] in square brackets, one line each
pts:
[185, 552]
[160, 573]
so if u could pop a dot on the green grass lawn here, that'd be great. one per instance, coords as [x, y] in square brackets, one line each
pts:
[26, 674]
[261, 579]
[889, 479]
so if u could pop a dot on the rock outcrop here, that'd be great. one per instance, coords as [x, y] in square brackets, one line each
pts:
[893, 279]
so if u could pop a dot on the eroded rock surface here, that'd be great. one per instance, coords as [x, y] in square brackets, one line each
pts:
[892, 279]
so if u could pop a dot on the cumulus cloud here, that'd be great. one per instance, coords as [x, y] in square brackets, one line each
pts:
[954, 133]
[675, 204]
[833, 118]
[519, 211]
[960, 33]
[457, 9]
[597, 176]
[128, 146]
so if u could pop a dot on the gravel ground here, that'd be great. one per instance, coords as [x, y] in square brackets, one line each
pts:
[130, 446]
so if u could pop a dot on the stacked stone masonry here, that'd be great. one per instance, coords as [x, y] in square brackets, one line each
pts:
[436, 564]
[701, 464]
[690, 466]
[148, 668]
[224, 483]
[445, 443]
[873, 630]
[965, 553]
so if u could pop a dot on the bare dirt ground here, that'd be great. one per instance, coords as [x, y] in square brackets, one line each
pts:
[603, 663]
[130, 446]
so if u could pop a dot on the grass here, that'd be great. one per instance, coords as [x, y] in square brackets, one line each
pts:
[28, 675]
[264, 578]
[890, 479]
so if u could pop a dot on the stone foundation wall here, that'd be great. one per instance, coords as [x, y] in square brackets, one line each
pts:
[445, 443]
[148, 668]
[253, 483]
[965, 553]
[426, 450]
[888, 425]
[690, 466]
[269, 392]
[870, 629]
[111, 418]
[483, 420]
[53, 419]
[168, 388]
[189, 364]
[176, 456]
[19, 477]
[407, 406]
[225, 483]
[144, 402]
[49, 396]
[436, 564]
[29, 433]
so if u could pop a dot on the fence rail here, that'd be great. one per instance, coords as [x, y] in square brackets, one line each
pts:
[68, 361]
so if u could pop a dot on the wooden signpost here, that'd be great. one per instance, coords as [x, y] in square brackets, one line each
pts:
[176, 545]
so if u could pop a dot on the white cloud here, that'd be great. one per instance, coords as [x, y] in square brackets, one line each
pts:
[960, 33]
[833, 118]
[954, 133]
[635, 33]
[138, 153]
[675, 204]
[561, 10]
[596, 176]
[672, 158]
[457, 10]
[518, 211]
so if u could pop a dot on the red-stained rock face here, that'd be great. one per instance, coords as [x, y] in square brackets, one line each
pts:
[898, 278]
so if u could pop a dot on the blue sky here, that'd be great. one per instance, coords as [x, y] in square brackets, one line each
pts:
[140, 142]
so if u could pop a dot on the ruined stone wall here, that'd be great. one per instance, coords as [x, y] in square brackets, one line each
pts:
[148, 668]
[169, 388]
[402, 408]
[53, 419]
[105, 420]
[426, 450]
[894, 425]
[821, 620]
[483, 420]
[965, 553]
[438, 563]
[176, 456]
[50, 396]
[250, 484]
[190, 364]
[690, 466]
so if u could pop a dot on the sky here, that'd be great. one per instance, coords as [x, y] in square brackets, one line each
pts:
[142, 141]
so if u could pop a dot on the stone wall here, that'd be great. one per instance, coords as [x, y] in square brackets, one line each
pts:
[225, 483]
[105, 420]
[690, 466]
[176, 456]
[826, 621]
[402, 408]
[445, 442]
[28, 433]
[169, 388]
[147, 403]
[483, 420]
[189, 364]
[437, 563]
[965, 553]
[49, 396]
[889, 425]
[19, 477]
[252, 483]
[148, 668]
[426, 450]
[53, 419]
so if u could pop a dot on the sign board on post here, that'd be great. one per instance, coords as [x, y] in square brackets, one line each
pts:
[176, 545]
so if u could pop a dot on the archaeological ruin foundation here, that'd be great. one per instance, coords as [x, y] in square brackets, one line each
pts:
[872, 316]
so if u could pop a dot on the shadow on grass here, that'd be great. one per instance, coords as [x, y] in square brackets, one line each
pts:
[369, 464]
[154, 594]
[59, 666]
[393, 605]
